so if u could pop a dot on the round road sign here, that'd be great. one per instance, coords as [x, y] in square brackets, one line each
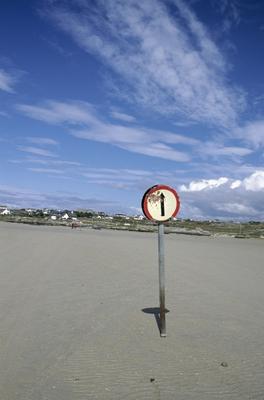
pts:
[160, 203]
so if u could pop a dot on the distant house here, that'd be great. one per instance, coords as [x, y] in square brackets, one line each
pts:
[53, 217]
[121, 216]
[138, 217]
[5, 212]
[65, 217]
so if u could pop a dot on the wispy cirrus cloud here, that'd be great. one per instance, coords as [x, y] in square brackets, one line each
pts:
[23, 197]
[122, 116]
[54, 112]
[42, 141]
[168, 63]
[83, 122]
[44, 161]
[7, 81]
[36, 151]
[252, 133]
[230, 11]
[219, 150]
[117, 178]
[131, 179]
[46, 170]
[138, 140]
[3, 114]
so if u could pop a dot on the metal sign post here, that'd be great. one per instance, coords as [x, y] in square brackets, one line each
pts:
[162, 280]
[160, 203]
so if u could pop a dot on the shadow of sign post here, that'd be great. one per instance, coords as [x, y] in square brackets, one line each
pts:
[156, 312]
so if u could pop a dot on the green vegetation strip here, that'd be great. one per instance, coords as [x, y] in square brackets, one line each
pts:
[188, 227]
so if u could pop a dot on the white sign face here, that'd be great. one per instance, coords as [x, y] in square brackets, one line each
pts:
[160, 203]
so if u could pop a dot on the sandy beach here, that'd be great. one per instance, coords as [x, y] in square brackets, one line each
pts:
[72, 325]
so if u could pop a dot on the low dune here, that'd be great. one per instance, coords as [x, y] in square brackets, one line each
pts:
[78, 312]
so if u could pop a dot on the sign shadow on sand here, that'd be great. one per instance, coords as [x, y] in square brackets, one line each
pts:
[156, 312]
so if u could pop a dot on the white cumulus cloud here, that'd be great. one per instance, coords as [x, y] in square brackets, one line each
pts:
[236, 184]
[204, 184]
[225, 198]
[255, 182]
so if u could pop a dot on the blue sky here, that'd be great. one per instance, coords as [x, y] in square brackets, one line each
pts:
[99, 100]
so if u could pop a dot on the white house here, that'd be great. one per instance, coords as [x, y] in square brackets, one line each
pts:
[138, 217]
[53, 217]
[65, 217]
[5, 212]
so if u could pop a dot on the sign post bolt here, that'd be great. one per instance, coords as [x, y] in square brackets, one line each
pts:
[162, 280]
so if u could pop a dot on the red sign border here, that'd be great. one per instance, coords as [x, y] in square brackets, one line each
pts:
[152, 190]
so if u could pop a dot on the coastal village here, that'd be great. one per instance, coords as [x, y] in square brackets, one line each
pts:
[88, 218]
[63, 215]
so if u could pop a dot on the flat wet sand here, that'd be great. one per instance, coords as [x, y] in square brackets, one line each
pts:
[72, 326]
